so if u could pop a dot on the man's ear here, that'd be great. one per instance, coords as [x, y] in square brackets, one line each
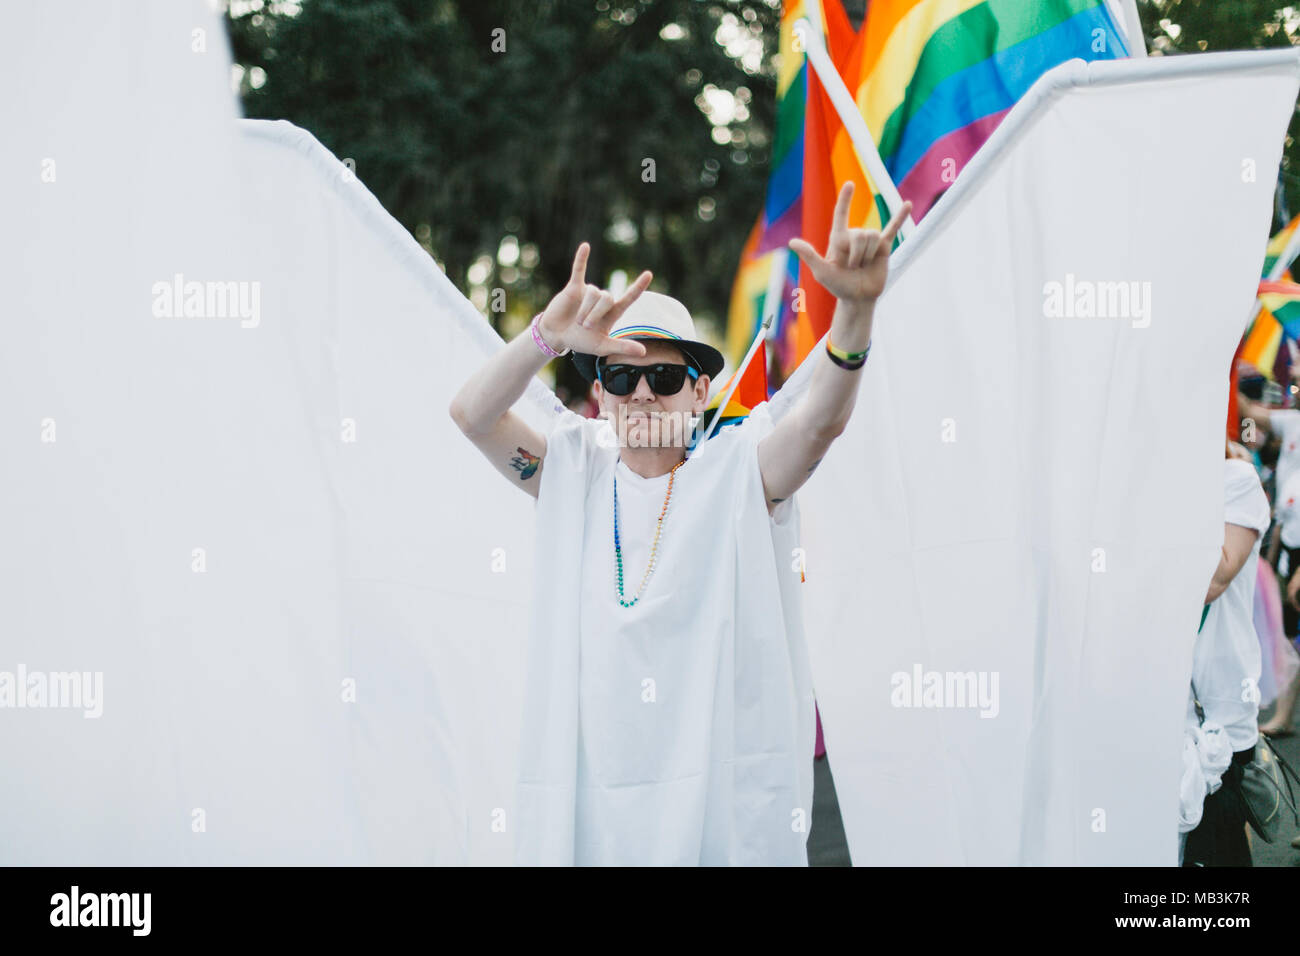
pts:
[601, 394]
[702, 390]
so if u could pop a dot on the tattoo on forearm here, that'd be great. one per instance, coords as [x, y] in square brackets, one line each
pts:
[525, 463]
[777, 501]
[815, 464]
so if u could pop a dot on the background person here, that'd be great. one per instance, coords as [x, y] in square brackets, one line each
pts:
[1226, 665]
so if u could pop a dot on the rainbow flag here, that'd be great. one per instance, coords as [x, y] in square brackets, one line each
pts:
[936, 77]
[1276, 246]
[780, 219]
[1263, 347]
[751, 391]
[749, 299]
[1282, 300]
[1264, 344]
[782, 215]
[829, 161]
[932, 79]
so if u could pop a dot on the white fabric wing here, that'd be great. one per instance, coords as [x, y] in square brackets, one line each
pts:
[1027, 505]
[304, 590]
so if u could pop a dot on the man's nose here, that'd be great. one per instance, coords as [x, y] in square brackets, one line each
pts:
[643, 392]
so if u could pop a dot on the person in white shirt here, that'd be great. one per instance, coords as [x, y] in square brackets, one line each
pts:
[668, 716]
[1287, 509]
[1226, 668]
[1285, 424]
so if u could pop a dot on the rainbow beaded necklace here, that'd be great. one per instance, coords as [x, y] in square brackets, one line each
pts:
[654, 548]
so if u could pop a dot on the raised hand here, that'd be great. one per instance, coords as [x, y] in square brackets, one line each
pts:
[856, 263]
[581, 315]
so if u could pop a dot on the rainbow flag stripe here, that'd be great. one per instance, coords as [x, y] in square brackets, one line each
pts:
[936, 77]
[1263, 345]
[781, 216]
[751, 391]
[749, 299]
[932, 79]
[781, 210]
[1277, 245]
[1281, 300]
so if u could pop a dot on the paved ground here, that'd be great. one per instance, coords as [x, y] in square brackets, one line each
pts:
[827, 845]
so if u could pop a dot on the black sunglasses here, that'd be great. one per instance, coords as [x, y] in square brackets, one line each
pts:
[663, 378]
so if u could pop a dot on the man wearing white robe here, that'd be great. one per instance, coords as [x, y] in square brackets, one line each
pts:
[668, 712]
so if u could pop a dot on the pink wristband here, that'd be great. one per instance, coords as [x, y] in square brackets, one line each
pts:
[541, 343]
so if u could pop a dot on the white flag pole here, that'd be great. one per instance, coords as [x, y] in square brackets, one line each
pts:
[771, 300]
[854, 124]
[1125, 15]
[776, 286]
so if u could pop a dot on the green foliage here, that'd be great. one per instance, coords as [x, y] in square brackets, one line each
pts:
[1201, 26]
[546, 141]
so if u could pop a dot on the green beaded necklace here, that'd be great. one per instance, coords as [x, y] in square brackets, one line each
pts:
[654, 548]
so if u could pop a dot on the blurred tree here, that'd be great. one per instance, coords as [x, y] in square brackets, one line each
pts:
[643, 127]
[1196, 26]
[504, 132]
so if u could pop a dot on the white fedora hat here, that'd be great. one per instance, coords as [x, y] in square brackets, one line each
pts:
[660, 318]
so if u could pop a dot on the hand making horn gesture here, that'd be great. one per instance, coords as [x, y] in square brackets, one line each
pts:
[857, 260]
[581, 315]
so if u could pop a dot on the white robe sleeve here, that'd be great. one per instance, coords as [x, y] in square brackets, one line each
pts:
[778, 535]
[543, 819]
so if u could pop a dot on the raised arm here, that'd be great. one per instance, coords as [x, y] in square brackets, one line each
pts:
[854, 270]
[579, 317]
[1248, 408]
